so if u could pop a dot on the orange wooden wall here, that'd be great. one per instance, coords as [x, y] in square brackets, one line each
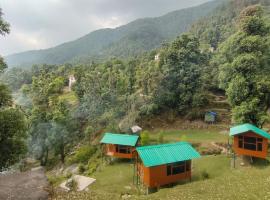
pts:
[157, 176]
[110, 150]
[241, 151]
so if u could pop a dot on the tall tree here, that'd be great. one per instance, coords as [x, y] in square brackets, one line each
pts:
[182, 64]
[244, 70]
[12, 121]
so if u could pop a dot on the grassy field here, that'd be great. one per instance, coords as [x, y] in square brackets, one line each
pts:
[115, 181]
[224, 182]
[191, 135]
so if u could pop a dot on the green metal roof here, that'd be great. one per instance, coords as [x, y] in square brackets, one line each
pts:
[248, 127]
[121, 139]
[166, 153]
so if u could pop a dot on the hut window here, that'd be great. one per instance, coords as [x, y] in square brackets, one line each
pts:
[187, 165]
[240, 141]
[250, 143]
[122, 149]
[169, 170]
[259, 147]
[176, 168]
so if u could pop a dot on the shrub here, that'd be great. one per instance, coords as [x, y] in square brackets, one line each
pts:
[145, 139]
[88, 132]
[160, 138]
[205, 174]
[81, 168]
[83, 154]
[183, 138]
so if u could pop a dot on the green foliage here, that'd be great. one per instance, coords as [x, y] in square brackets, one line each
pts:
[181, 86]
[245, 67]
[52, 127]
[12, 122]
[205, 175]
[4, 26]
[144, 138]
[83, 154]
[4, 29]
[16, 77]
[5, 96]
[81, 168]
[160, 138]
[12, 136]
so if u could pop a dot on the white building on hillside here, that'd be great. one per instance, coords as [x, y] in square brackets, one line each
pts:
[71, 81]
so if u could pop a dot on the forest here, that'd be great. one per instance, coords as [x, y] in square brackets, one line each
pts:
[227, 51]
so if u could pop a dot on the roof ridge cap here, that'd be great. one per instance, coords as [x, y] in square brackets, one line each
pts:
[122, 134]
[162, 145]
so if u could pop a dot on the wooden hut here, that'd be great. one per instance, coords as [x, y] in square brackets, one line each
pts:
[250, 140]
[163, 164]
[210, 117]
[119, 145]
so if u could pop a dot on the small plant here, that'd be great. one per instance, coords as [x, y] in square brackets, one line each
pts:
[72, 184]
[55, 180]
[68, 175]
[145, 139]
[88, 132]
[205, 175]
[81, 168]
[183, 138]
[160, 138]
[83, 154]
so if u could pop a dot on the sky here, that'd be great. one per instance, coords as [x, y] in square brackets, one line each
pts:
[39, 24]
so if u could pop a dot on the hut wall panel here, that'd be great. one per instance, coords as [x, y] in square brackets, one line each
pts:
[157, 176]
[111, 151]
[259, 154]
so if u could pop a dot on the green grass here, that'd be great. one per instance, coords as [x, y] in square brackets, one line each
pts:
[115, 179]
[223, 182]
[191, 135]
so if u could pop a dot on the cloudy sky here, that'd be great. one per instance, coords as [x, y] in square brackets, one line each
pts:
[37, 24]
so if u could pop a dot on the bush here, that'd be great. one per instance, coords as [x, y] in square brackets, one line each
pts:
[88, 132]
[83, 154]
[81, 168]
[145, 139]
[183, 138]
[55, 180]
[160, 138]
[204, 174]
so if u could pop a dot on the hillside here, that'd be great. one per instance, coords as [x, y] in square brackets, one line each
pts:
[129, 40]
[221, 23]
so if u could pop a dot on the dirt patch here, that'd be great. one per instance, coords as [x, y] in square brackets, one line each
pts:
[30, 185]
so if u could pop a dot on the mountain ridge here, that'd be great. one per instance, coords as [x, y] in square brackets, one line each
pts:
[128, 40]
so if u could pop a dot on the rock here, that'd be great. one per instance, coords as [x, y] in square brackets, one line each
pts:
[37, 169]
[64, 187]
[126, 196]
[128, 187]
[82, 183]
[73, 169]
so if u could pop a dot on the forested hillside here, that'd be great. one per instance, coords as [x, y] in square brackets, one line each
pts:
[116, 94]
[125, 41]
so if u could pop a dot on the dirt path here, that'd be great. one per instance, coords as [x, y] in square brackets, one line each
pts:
[224, 150]
[24, 186]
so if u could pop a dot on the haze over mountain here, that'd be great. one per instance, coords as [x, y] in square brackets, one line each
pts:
[129, 40]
